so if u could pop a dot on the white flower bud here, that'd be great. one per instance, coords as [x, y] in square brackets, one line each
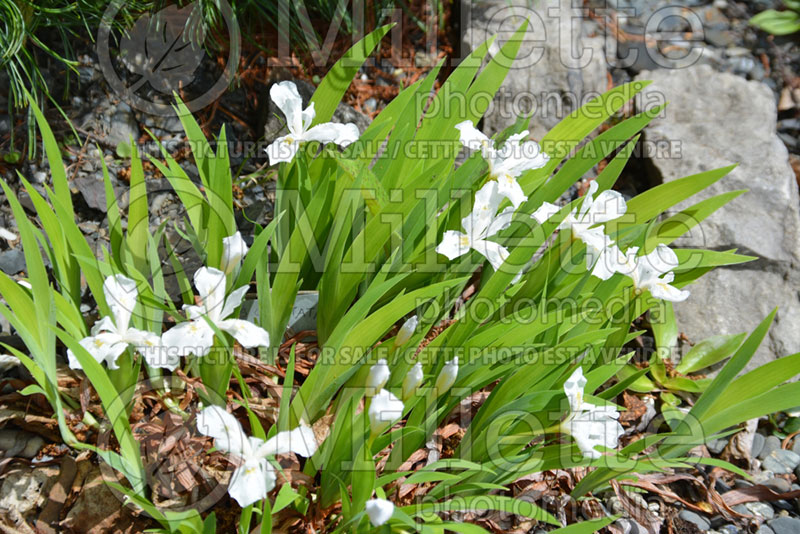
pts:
[384, 410]
[379, 511]
[412, 380]
[447, 377]
[378, 376]
[233, 250]
[406, 331]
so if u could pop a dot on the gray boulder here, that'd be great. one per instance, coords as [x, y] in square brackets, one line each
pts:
[713, 120]
[558, 67]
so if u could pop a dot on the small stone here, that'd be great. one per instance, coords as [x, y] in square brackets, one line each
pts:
[12, 261]
[370, 105]
[779, 485]
[629, 526]
[763, 476]
[716, 446]
[720, 38]
[24, 489]
[123, 127]
[740, 509]
[796, 445]
[770, 444]
[93, 192]
[764, 529]
[758, 445]
[761, 509]
[691, 517]
[785, 525]
[728, 529]
[89, 227]
[781, 504]
[718, 521]
[781, 461]
[15, 443]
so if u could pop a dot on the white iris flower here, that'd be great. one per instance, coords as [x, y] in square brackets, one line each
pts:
[299, 120]
[255, 476]
[196, 336]
[112, 335]
[588, 424]
[507, 163]
[481, 224]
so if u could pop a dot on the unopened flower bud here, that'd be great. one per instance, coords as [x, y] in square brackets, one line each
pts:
[378, 376]
[412, 380]
[379, 511]
[447, 377]
[406, 331]
[233, 250]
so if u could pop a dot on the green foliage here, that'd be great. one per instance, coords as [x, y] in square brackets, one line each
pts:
[361, 228]
[779, 22]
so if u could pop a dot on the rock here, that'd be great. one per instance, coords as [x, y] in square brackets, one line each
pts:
[93, 192]
[18, 443]
[629, 526]
[111, 124]
[169, 123]
[716, 446]
[720, 38]
[785, 525]
[24, 488]
[758, 444]
[740, 509]
[782, 504]
[781, 461]
[761, 509]
[557, 69]
[770, 444]
[123, 126]
[7, 361]
[12, 261]
[614, 506]
[370, 104]
[764, 222]
[764, 529]
[99, 511]
[779, 485]
[696, 519]
[718, 521]
[26, 201]
[762, 476]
